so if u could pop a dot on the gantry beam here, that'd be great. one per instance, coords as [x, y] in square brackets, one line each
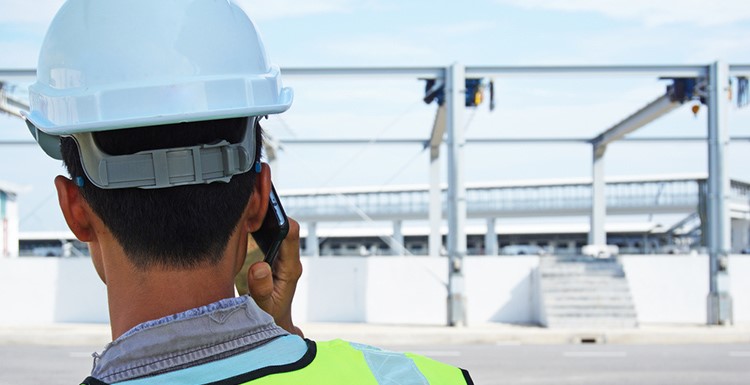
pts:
[411, 72]
[652, 111]
[18, 73]
[653, 71]
[473, 141]
[667, 71]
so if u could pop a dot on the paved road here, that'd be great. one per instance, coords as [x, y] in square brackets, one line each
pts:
[489, 364]
[601, 364]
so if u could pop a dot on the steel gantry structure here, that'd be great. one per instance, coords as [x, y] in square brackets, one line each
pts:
[714, 80]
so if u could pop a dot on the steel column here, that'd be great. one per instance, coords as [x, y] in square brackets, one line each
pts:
[719, 242]
[455, 99]
[312, 244]
[436, 190]
[490, 238]
[597, 233]
[436, 209]
[397, 241]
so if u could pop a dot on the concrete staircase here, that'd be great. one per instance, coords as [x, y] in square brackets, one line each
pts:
[583, 292]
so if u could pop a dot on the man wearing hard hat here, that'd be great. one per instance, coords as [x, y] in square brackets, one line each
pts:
[154, 108]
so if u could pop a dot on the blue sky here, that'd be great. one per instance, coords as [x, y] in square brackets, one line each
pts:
[300, 33]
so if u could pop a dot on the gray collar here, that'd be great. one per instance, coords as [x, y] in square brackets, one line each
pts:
[185, 339]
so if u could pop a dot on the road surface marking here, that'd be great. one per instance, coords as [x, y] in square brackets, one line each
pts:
[595, 354]
[438, 353]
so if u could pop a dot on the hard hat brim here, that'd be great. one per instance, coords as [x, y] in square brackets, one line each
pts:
[73, 126]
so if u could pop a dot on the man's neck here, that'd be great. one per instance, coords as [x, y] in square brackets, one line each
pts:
[139, 295]
[154, 294]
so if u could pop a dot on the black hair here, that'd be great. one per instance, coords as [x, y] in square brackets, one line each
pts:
[176, 227]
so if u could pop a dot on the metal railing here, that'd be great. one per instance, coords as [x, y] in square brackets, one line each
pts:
[645, 196]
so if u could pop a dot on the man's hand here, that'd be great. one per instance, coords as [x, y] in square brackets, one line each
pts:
[274, 292]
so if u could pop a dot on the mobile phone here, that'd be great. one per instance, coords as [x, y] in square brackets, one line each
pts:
[273, 230]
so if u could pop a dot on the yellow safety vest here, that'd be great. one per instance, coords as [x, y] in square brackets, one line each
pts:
[339, 362]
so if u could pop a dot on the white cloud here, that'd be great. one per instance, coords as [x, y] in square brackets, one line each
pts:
[733, 48]
[25, 11]
[381, 49]
[469, 27]
[18, 55]
[42, 11]
[650, 12]
[265, 10]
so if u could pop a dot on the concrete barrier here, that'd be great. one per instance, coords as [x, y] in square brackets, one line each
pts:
[668, 288]
[674, 288]
[50, 290]
[388, 290]
[412, 290]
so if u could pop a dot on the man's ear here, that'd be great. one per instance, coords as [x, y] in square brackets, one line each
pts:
[76, 211]
[258, 204]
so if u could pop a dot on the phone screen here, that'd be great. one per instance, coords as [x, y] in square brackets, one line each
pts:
[273, 230]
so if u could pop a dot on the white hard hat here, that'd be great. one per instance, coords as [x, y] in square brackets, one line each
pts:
[108, 65]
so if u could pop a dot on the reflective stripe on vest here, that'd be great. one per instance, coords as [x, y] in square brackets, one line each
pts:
[339, 362]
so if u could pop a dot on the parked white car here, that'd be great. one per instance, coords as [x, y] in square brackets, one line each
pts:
[600, 251]
[523, 250]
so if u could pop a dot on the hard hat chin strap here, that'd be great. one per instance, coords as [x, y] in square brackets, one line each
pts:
[161, 168]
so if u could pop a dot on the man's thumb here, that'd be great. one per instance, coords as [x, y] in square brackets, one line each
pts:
[260, 283]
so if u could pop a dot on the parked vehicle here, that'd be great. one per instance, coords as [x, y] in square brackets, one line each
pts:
[523, 250]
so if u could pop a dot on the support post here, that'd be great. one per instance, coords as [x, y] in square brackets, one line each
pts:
[436, 191]
[312, 244]
[397, 243]
[597, 232]
[719, 241]
[490, 238]
[455, 101]
[436, 209]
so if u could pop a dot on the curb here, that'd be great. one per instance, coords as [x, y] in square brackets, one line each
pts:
[399, 335]
[503, 334]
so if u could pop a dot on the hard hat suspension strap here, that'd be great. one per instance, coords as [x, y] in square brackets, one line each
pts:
[169, 167]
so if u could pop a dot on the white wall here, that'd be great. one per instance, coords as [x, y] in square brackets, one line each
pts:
[674, 288]
[668, 288]
[739, 273]
[412, 290]
[48, 290]
[27, 288]
[406, 290]
[401, 290]
[501, 289]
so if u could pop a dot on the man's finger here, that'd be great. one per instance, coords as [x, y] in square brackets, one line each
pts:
[287, 266]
